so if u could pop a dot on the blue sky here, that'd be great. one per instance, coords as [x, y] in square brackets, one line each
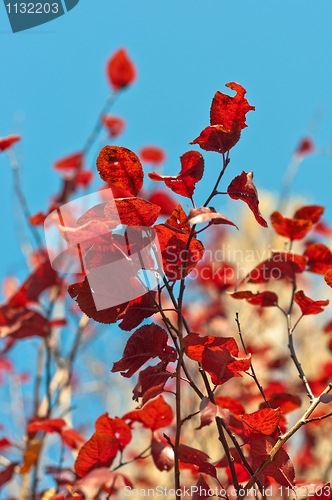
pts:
[53, 85]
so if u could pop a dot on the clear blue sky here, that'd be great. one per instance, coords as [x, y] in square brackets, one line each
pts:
[53, 85]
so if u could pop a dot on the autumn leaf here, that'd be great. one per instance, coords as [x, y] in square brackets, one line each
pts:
[97, 480]
[151, 382]
[7, 473]
[114, 427]
[178, 258]
[208, 411]
[263, 299]
[243, 188]
[45, 425]
[222, 365]
[206, 214]
[81, 291]
[20, 322]
[294, 229]
[282, 265]
[310, 212]
[8, 142]
[162, 454]
[121, 167]
[148, 342]
[281, 469]
[137, 310]
[120, 70]
[227, 111]
[40, 280]
[217, 138]
[283, 400]
[319, 258]
[328, 277]
[309, 306]
[132, 211]
[154, 415]
[30, 455]
[305, 147]
[114, 125]
[98, 451]
[72, 162]
[264, 421]
[152, 154]
[231, 404]
[192, 168]
[164, 200]
[193, 456]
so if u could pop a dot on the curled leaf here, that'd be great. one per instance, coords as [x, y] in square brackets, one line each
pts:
[243, 188]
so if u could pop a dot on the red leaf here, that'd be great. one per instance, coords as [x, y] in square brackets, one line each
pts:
[242, 188]
[71, 162]
[319, 258]
[133, 212]
[328, 277]
[120, 70]
[309, 306]
[45, 425]
[280, 265]
[154, 415]
[217, 138]
[7, 142]
[310, 212]
[152, 154]
[99, 451]
[83, 178]
[209, 411]
[137, 310]
[193, 456]
[42, 278]
[4, 443]
[20, 322]
[161, 198]
[294, 229]
[82, 293]
[151, 382]
[203, 214]
[121, 167]
[196, 345]
[281, 469]
[114, 124]
[114, 427]
[264, 421]
[7, 473]
[231, 404]
[201, 491]
[264, 299]
[162, 454]
[192, 168]
[222, 365]
[146, 343]
[305, 147]
[72, 438]
[226, 110]
[286, 402]
[96, 481]
[173, 241]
